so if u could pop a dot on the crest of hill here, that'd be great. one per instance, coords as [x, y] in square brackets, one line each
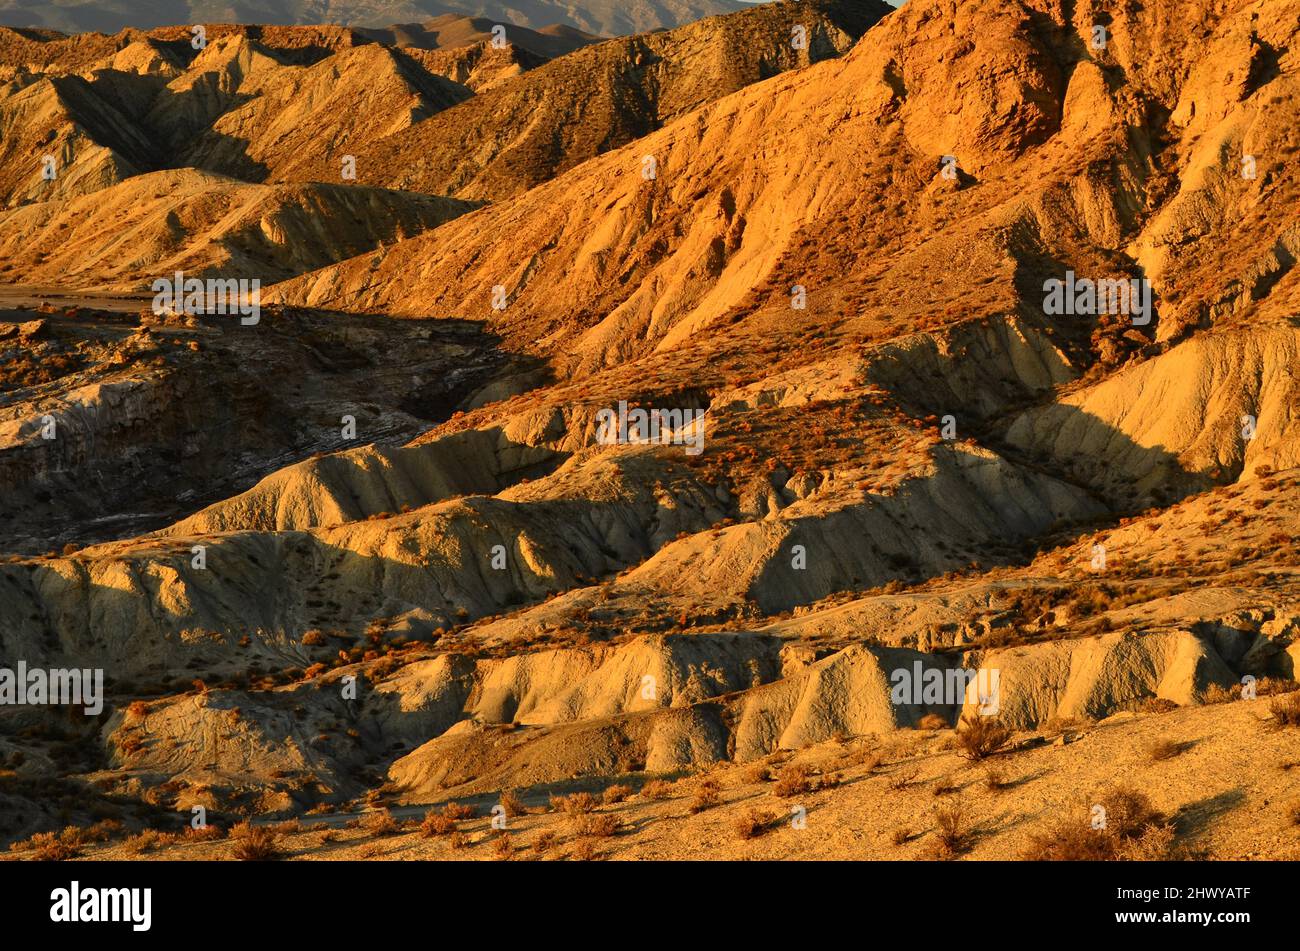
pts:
[237, 108]
[450, 31]
[205, 225]
[92, 143]
[608, 17]
[559, 115]
[837, 187]
[272, 118]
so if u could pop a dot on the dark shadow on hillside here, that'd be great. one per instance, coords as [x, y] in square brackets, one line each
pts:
[214, 420]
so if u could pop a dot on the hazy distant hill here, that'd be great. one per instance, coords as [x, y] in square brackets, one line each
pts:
[610, 17]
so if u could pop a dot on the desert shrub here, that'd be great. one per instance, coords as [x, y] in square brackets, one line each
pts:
[981, 737]
[932, 721]
[1158, 705]
[544, 842]
[146, 841]
[255, 843]
[381, 823]
[706, 797]
[600, 826]
[436, 823]
[504, 847]
[1132, 830]
[104, 830]
[1286, 710]
[994, 779]
[864, 756]
[511, 804]
[458, 811]
[1217, 693]
[49, 847]
[753, 822]
[616, 793]
[953, 830]
[204, 833]
[657, 789]
[792, 780]
[575, 805]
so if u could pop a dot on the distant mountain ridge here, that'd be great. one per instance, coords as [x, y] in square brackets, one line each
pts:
[607, 17]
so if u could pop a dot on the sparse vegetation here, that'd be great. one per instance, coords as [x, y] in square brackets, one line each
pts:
[255, 843]
[707, 795]
[953, 829]
[598, 825]
[1286, 710]
[1123, 825]
[792, 780]
[753, 822]
[614, 794]
[981, 737]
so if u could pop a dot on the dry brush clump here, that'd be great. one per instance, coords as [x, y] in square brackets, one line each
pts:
[54, 847]
[577, 804]
[595, 825]
[255, 843]
[707, 795]
[148, 840]
[793, 780]
[1122, 826]
[657, 789]
[381, 823]
[1286, 710]
[504, 847]
[458, 811]
[615, 794]
[436, 824]
[981, 737]
[511, 804]
[995, 780]
[753, 822]
[953, 830]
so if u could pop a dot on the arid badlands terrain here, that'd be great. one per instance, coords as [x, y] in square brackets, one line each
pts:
[966, 528]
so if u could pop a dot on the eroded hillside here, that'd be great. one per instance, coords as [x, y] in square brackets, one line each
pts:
[890, 448]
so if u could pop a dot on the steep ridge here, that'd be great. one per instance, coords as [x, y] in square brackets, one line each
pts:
[205, 225]
[242, 111]
[59, 139]
[644, 264]
[451, 31]
[502, 143]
